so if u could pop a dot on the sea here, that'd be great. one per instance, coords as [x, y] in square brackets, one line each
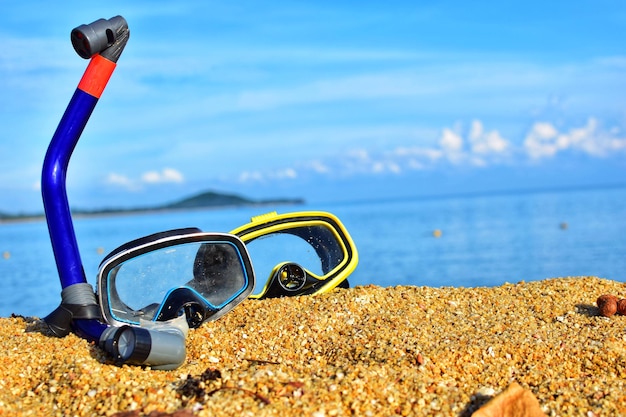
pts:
[471, 240]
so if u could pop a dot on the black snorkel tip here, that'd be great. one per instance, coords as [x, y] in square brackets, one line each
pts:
[61, 319]
[78, 302]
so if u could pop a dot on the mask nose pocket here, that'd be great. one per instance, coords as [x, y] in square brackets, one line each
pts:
[186, 301]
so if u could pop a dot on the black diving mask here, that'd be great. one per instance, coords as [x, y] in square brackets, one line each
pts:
[163, 276]
[301, 253]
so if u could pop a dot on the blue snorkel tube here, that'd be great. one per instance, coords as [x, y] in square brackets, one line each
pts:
[161, 346]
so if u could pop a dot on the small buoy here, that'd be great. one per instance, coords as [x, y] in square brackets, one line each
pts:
[563, 225]
[6, 254]
[100, 250]
[437, 233]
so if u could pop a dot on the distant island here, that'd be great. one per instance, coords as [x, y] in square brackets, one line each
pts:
[207, 199]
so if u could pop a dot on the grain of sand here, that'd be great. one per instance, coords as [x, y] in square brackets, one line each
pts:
[365, 351]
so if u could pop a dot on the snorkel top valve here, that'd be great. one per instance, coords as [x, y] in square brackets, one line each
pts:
[106, 37]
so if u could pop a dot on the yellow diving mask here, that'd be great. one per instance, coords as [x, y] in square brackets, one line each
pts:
[301, 253]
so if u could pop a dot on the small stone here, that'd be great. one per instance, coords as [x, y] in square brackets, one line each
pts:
[608, 309]
[486, 392]
[621, 307]
[605, 298]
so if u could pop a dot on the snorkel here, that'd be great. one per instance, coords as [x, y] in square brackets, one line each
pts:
[163, 345]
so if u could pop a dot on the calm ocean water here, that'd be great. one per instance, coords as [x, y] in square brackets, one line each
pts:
[486, 240]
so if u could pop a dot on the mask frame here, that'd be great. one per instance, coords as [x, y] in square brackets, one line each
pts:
[196, 296]
[325, 235]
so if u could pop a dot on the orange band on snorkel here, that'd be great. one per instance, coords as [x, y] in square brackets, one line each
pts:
[96, 76]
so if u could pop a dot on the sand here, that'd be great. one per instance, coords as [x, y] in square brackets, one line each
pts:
[364, 351]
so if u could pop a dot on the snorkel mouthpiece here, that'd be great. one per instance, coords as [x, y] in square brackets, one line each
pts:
[159, 346]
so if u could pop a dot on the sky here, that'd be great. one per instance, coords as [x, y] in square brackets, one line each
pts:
[321, 100]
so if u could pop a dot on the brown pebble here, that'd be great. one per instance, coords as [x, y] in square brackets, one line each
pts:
[621, 307]
[607, 303]
[604, 298]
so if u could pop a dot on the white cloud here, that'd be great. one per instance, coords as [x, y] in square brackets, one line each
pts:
[167, 175]
[378, 167]
[262, 177]
[482, 147]
[594, 141]
[319, 167]
[122, 181]
[151, 177]
[544, 140]
[475, 146]
[289, 173]
[485, 147]
[248, 176]
[486, 142]
[430, 154]
[117, 179]
[450, 141]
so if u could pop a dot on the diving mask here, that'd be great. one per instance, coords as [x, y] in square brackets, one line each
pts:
[165, 275]
[301, 253]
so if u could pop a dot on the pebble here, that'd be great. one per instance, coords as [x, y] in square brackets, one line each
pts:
[367, 351]
[607, 303]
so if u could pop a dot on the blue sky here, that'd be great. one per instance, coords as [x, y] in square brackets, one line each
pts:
[322, 100]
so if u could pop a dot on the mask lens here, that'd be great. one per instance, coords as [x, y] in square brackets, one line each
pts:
[196, 278]
[217, 273]
[315, 248]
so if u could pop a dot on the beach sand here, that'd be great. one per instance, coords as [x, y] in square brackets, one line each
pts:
[364, 351]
